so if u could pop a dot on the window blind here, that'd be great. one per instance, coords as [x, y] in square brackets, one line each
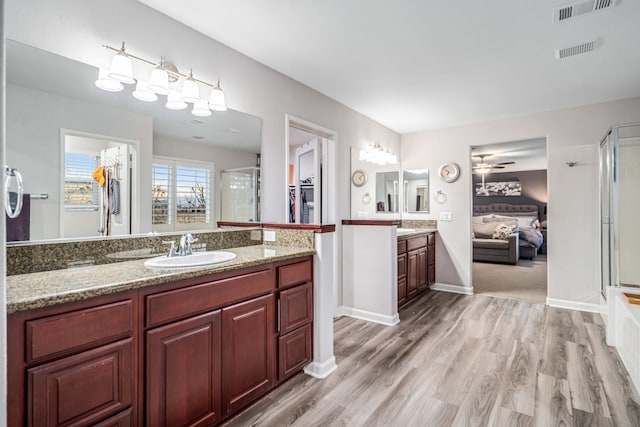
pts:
[80, 189]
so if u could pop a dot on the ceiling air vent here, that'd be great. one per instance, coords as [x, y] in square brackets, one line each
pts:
[572, 10]
[574, 50]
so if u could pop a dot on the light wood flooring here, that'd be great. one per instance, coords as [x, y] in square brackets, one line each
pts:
[457, 360]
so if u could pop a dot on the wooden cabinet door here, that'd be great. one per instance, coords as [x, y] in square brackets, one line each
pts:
[296, 307]
[412, 274]
[184, 372]
[402, 264]
[294, 349]
[402, 291]
[422, 269]
[82, 389]
[248, 359]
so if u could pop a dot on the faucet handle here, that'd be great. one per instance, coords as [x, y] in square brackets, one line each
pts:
[172, 248]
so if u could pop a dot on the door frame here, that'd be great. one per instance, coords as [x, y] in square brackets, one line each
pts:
[135, 175]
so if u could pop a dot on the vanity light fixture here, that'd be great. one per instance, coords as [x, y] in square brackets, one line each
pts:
[374, 153]
[105, 82]
[163, 75]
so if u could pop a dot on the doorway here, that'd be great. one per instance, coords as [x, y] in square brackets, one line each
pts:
[509, 220]
[97, 186]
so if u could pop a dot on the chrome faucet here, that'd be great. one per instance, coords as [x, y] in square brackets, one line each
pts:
[184, 247]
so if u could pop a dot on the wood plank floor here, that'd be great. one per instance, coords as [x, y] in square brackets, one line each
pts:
[457, 360]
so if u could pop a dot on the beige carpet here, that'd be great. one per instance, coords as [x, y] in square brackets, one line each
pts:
[525, 281]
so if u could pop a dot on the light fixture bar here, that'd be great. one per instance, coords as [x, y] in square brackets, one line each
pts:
[174, 73]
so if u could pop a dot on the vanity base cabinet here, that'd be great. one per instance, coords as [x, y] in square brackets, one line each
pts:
[248, 355]
[188, 353]
[74, 364]
[416, 266]
[183, 372]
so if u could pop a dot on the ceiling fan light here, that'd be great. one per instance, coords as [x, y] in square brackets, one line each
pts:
[201, 109]
[105, 82]
[483, 170]
[122, 68]
[175, 102]
[217, 101]
[143, 93]
[190, 91]
[159, 81]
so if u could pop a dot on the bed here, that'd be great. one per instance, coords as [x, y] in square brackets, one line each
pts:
[527, 217]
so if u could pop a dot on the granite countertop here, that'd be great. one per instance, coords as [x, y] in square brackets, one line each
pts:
[415, 232]
[37, 290]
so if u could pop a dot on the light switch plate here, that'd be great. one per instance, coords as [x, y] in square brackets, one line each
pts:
[446, 216]
[269, 236]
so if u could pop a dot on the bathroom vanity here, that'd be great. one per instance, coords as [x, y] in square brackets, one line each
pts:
[118, 344]
[416, 264]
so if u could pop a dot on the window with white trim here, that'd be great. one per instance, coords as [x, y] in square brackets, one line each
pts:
[181, 194]
[80, 189]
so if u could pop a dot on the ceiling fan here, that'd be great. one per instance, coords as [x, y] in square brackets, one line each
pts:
[483, 167]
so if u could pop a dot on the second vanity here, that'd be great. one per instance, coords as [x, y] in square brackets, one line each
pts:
[119, 344]
[416, 264]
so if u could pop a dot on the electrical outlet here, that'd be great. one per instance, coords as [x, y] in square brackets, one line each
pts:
[446, 216]
[256, 235]
[269, 236]
[363, 214]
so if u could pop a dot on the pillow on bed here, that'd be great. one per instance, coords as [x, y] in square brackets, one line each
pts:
[486, 230]
[503, 231]
[479, 219]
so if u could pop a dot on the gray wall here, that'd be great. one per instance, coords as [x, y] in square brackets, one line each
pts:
[534, 189]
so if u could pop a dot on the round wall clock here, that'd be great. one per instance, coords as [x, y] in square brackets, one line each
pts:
[359, 178]
[449, 172]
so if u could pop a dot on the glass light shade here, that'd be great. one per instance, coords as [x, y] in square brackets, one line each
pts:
[105, 82]
[483, 170]
[159, 82]
[122, 68]
[216, 99]
[190, 91]
[201, 109]
[143, 93]
[175, 102]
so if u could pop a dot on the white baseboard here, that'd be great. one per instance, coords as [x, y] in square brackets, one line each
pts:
[321, 370]
[574, 305]
[369, 316]
[452, 288]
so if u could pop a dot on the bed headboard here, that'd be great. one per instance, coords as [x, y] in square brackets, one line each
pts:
[506, 209]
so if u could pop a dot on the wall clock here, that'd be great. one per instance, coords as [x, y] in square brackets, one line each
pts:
[359, 178]
[449, 172]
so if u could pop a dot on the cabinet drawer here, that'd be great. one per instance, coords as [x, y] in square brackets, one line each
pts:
[402, 246]
[294, 274]
[181, 303]
[296, 307]
[123, 419]
[83, 388]
[402, 265]
[416, 242]
[431, 239]
[77, 329]
[294, 351]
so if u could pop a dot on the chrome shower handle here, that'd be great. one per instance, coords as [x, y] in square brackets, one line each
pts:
[8, 174]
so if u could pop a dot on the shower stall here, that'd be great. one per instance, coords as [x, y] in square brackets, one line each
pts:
[240, 195]
[619, 207]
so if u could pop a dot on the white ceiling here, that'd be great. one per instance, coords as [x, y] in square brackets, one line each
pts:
[416, 65]
[529, 154]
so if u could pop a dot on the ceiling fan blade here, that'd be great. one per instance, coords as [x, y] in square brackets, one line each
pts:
[505, 163]
[497, 167]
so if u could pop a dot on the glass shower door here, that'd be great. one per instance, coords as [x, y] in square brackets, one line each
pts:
[606, 236]
[627, 205]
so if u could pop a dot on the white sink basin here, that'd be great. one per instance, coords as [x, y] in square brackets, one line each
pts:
[198, 259]
[405, 230]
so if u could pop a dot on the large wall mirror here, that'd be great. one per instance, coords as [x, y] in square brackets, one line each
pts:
[174, 171]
